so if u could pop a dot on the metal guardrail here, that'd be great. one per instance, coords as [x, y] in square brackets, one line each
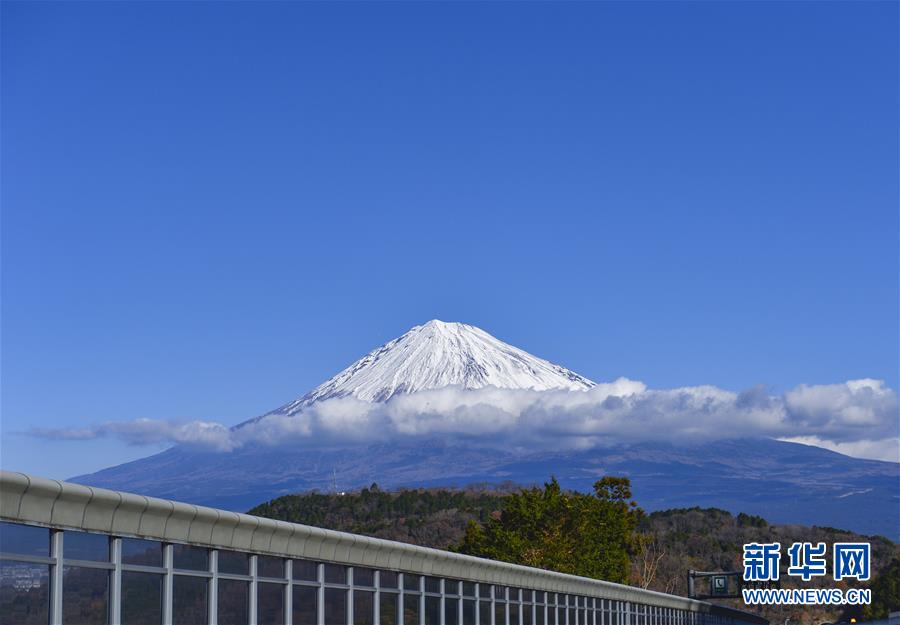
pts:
[64, 506]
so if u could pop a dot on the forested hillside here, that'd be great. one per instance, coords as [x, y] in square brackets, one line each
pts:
[666, 545]
[709, 539]
[434, 517]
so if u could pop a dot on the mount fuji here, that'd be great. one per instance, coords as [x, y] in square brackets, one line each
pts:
[783, 482]
[437, 355]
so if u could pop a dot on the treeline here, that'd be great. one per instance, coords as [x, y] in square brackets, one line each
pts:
[434, 517]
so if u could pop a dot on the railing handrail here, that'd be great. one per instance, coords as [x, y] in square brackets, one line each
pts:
[64, 505]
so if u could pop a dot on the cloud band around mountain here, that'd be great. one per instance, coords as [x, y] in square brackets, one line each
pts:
[857, 417]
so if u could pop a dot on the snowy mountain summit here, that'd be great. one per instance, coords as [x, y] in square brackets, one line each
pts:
[439, 354]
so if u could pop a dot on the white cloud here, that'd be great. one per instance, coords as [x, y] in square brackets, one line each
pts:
[887, 449]
[858, 417]
[208, 434]
[853, 411]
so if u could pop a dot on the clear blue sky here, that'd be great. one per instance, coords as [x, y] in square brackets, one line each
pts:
[209, 208]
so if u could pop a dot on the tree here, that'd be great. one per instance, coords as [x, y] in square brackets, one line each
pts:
[885, 595]
[569, 532]
[650, 553]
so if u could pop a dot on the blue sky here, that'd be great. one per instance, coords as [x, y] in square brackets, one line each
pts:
[208, 209]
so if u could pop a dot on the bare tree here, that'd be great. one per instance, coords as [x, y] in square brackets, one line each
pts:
[646, 566]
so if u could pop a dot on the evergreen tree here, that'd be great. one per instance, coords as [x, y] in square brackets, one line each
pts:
[569, 532]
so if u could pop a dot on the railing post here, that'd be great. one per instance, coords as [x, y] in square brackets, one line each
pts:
[421, 600]
[349, 598]
[253, 591]
[401, 600]
[289, 592]
[115, 581]
[320, 593]
[377, 618]
[212, 613]
[493, 610]
[442, 618]
[56, 577]
[168, 588]
[506, 602]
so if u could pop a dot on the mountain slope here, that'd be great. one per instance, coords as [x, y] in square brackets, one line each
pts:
[785, 482]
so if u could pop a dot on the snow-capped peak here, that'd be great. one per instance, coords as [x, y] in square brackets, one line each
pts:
[438, 354]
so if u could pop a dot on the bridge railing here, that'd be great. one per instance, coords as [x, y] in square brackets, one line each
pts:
[74, 554]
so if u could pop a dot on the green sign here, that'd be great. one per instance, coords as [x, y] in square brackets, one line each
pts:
[719, 584]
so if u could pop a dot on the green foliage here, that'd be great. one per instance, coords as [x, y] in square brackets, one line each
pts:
[885, 595]
[832, 530]
[433, 517]
[885, 592]
[564, 531]
[751, 520]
